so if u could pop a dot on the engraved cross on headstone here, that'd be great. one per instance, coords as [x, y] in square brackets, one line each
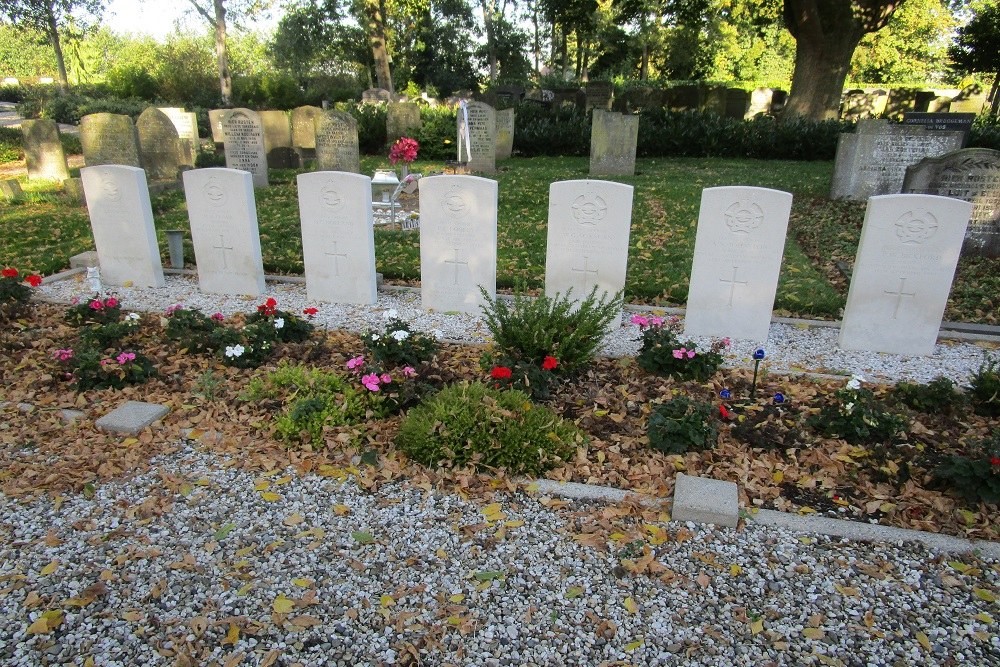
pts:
[455, 264]
[899, 294]
[585, 273]
[336, 259]
[732, 284]
[223, 248]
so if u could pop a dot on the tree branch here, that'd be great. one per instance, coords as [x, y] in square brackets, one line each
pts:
[201, 10]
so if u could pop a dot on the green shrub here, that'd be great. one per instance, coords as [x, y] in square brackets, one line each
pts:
[110, 334]
[939, 396]
[530, 329]
[11, 146]
[557, 131]
[313, 400]
[663, 353]
[437, 133]
[471, 424]
[399, 345]
[506, 372]
[94, 311]
[681, 425]
[371, 127]
[858, 417]
[288, 328]
[196, 332]
[985, 389]
[253, 347]
[132, 80]
[93, 368]
[976, 475]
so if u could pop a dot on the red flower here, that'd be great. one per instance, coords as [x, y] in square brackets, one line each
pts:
[725, 414]
[33, 280]
[549, 363]
[9, 273]
[500, 373]
[310, 311]
[271, 303]
[995, 461]
[111, 302]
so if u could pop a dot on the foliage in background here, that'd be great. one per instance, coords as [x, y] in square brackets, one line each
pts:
[939, 396]
[471, 424]
[984, 389]
[975, 475]
[682, 424]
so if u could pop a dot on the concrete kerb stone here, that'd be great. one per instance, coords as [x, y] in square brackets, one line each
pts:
[705, 500]
[131, 417]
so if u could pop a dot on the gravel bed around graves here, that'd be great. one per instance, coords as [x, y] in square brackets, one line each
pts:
[789, 347]
[196, 562]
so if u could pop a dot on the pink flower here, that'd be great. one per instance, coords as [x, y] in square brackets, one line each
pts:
[656, 321]
[174, 308]
[96, 304]
[111, 302]
[218, 317]
[356, 363]
[640, 320]
[679, 354]
[726, 341]
[409, 371]
[75, 300]
[370, 381]
[125, 357]
[386, 378]
[690, 354]
[105, 362]
[63, 355]
[404, 150]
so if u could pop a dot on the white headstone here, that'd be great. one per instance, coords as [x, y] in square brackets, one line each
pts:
[737, 259]
[122, 221]
[224, 231]
[458, 242]
[902, 276]
[244, 136]
[338, 242]
[477, 129]
[587, 244]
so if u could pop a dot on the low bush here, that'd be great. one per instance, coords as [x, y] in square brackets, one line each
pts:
[681, 425]
[91, 367]
[110, 334]
[288, 328]
[252, 346]
[664, 354]
[94, 311]
[471, 424]
[528, 330]
[15, 293]
[984, 389]
[976, 474]
[399, 345]
[858, 417]
[195, 332]
[939, 396]
[11, 146]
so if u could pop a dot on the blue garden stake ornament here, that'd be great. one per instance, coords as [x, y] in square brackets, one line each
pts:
[758, 356]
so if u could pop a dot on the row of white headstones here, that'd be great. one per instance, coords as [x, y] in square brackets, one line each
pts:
[905, 264]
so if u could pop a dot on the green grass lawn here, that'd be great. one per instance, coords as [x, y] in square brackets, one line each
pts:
[42, 232]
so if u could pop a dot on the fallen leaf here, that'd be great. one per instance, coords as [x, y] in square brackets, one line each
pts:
[46, 622]
[631, 605]
[574, 592]
[270, 497]
[233, 635]
[362, 537]
[984, 595]
[813, 633]
[50, 568]
[924, 641]
[283, 605]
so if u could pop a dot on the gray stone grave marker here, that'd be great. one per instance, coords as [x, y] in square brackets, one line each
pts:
[477, 127]
[223, 215]
[458, 242]
[587, 240]
[972, 175]
[376, 95]
[122, 222]
[43, 152]
[613, 140]
[401, 120]
[505, 133]
[337, 142]
[186, 124]
[338, 242]
[304, 131]
[109, 138]
[737, 259]
[215, 117]
[244, 137]
[903, 273]
[278, 140]
[159, 145]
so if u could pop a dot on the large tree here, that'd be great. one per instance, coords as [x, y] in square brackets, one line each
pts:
[977, 48]
[826, 34]
[49, 17]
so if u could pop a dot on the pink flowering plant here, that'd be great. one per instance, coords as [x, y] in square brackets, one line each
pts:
[395, 389]
[15, 292]
[404, 150]
[112, 334]
[195, 332]
[663, 353]
[94, 311]
[89, 367]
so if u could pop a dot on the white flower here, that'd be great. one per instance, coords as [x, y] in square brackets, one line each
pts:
[390, 314]
[400, 335]
[855, 382]
[235, 351]
[849, 408]
[279, 322]
[375, 336]
[132, 316]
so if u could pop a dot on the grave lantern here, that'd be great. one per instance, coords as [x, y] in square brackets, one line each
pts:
[384, 182]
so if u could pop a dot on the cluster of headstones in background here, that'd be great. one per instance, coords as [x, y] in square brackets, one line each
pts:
[909, 248]
[924, 155]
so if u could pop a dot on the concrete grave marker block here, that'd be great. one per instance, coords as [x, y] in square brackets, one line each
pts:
[401, 120]
[244, 144]
[704, 500]
[613, 140]
[278, 140]
[458, 242]
[737, 259]
[224, 231]
[902, 276]
[505, 133]
[131, 417]
[186, 124]
[10, 190]
[159, 145]
[588, 235]
[338, 241]
[122, 221]
[304, 131]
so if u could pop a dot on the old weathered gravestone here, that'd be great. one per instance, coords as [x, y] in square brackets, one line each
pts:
[737, 103]
[245, 144]
[760, 102]
[737, 258]
[402, 119]
[122, 222]
[109, 138]
[587, 241]
[337, 142]
[10, 190]
[458, 242]
[223, 215]
[278, 140]
[159, 146]
[338, 242]
[946, 122]
[304, 131]
[972, 175]
[477, 128]
[43, 152]
[613, 139]
[186, 124]
[599, 94]
[215, 117]
[903, 272]
[505, 133]
[873, 160]
[373, 95]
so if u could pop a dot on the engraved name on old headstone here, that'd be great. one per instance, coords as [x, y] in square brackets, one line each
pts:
[337, 142]
[244, 142]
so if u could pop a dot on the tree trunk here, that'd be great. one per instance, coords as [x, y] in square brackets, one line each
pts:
[380, 52]
[491, 42]
[56, 46]
[994, 97]
[820, 71]
[537, 44]
[222, 54]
